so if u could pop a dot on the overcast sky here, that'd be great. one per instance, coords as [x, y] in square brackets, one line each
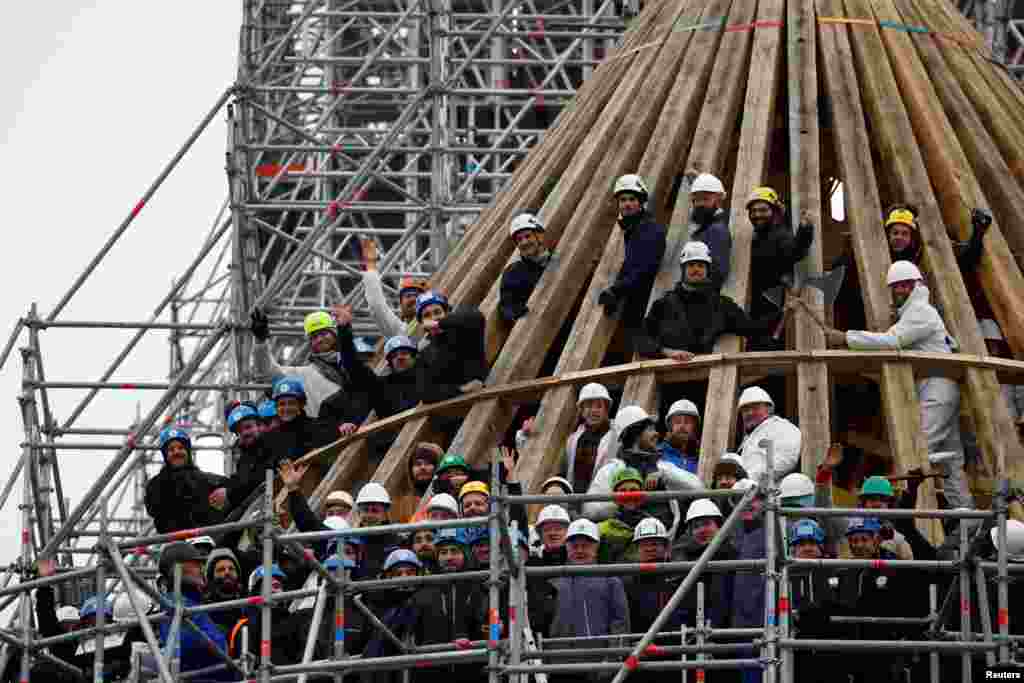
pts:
[97, 98]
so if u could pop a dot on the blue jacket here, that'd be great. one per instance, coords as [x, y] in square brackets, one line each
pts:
[645, 247]
[517, 284]
[194, 652]
[589, 606]
[748, 588]
[719, 240]
[676, 457]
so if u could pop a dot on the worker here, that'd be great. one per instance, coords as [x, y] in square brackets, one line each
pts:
[709, 224]
[521, 277]
[251, 454]
[813, 595]
[409, 287]
[638, 444]
[339, 504]
[877, 494]
[297, 435]
[759, 421]
[728, 470]
[617, 531]
[552, 527]
[178, 497]
[590, 443]
[645, 246]
[327, 375]
[920, 328]
[747, 606]
[690, 318]
[267, 410]
[682, 438]
[401, 610]
[704, 521]
[905, 243]
[454, 362]
[223, 582]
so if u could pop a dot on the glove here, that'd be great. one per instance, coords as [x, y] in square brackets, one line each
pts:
[806, 229]
[260, 326]
[609, 300]
[981, 219]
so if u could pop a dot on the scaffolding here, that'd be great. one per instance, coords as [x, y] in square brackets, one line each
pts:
[511, 649]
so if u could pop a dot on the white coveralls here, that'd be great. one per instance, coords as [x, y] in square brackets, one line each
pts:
[920, 328]
[786, 438]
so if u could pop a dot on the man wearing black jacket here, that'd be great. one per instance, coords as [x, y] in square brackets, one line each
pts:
[775, 250]
[645, 247]
[689, 319]
[178, 496]
[519, 279]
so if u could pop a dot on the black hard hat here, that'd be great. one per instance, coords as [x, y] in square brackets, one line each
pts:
[176, 553]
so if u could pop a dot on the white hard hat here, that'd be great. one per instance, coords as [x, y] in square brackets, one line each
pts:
[901, 271]
[650, 527]
[754, 395]
[372, 492]
[592, 391]
[695, 251]
[343, 497]
[630, 415]
[631, 183]
[1014, 539]
[990, 330]
[201, 541]
[796, 484]
[584, 527]
[682, 407]
[524, 221]
[123, 610]
[734, 458]
[337, 523]
[552, 513]
[706, 182]
[561, 481]
[704, 507]
[743, 485]
[70, 613]
[443, 501]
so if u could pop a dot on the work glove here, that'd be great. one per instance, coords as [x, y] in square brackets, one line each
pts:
[609, 300]
[260, 326]
[981, 219]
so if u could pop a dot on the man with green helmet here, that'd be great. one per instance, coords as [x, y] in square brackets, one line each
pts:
[617, 531]
[335, 380]
[877, 494]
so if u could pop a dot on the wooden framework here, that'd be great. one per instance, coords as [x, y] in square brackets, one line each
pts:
[913, 111]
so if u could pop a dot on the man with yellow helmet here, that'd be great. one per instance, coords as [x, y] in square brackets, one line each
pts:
[775, 250]
[904, 237]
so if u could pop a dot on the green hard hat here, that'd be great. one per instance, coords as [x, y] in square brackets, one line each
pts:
[626, 474]
[450, 461]
[877, 486]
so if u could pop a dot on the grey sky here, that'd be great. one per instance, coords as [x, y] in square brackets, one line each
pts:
[96, 99]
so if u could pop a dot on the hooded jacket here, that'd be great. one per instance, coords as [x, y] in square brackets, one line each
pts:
[716, 235]
[672, 479]
[775, 250]
[194, 652]
[178, 497]
[919, 328]
[517, 284]
[589, 606]
[693, 320]
[215, 590]
[786, 437]
[453, 357]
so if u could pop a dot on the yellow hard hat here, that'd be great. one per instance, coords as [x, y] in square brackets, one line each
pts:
[904, 216]
[317, 321]
[474, 487]
[767, 195]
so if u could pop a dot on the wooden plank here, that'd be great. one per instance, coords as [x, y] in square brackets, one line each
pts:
[805, 195]
[592, 332]
[762, 71]
[559, 287]
[549, 182]
[547, 159]
[843, 86]
[1000, 274]
[956, 190]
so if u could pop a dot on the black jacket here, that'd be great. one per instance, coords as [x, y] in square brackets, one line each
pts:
[718, 587]
[645, 246]
[719, 240]
[774, 252]
[450, 612]
[517, 283]
[178, 498]
[453, 357]
[693, 320]
[352, 402]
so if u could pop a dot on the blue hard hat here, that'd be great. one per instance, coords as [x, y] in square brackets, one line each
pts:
[477, 534]
[89, 608]
[289, 386]
[807, 530]
[450, 537]
[402, 556]
[427, 298]
[331, 563]
[257, 575]
[267, 409]
[169, 434]
[242, 412]
[398, 343]
[867, 525]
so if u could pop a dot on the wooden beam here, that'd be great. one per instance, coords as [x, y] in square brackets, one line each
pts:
[761, 74]
[688, 57]
[805, 194]
[956, 191]
[843, 86]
